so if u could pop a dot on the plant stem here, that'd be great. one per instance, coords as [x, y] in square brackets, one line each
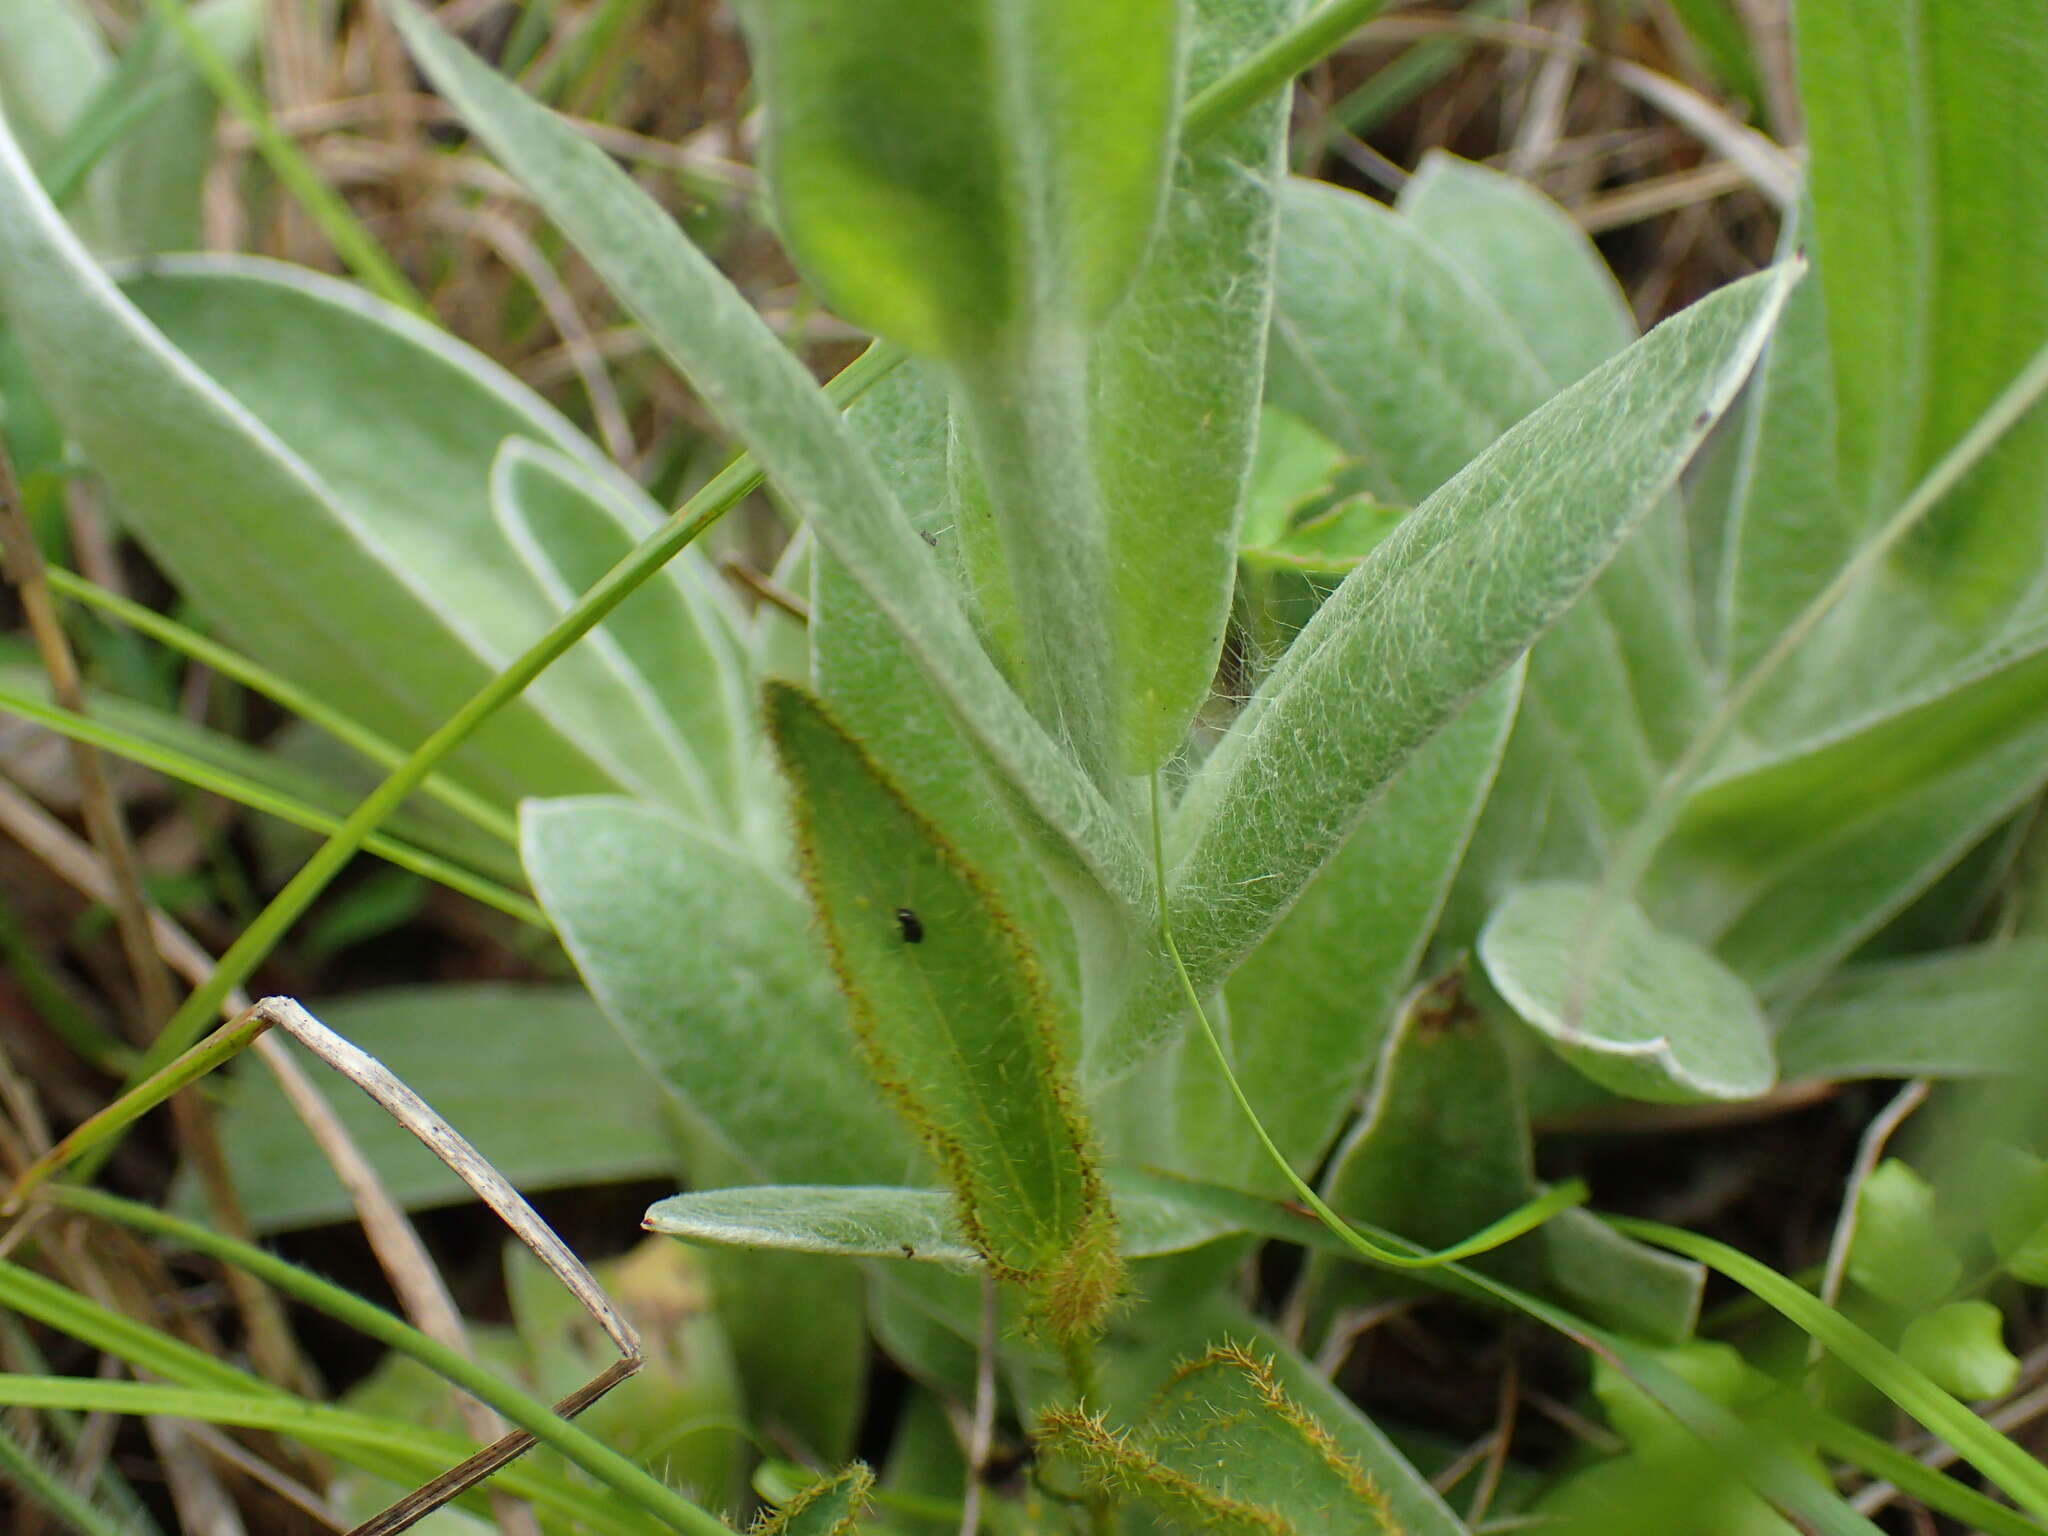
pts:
[1028, 419]
[1086, 1377]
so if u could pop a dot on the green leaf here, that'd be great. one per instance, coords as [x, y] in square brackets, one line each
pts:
[535, 1076]
[1785, 865]
[1643, 1013]
[832, 1507]
[2019, 1215]
[1970, 1012]
[145, 196]
[344, 474]
[1439, 610]
[1293, 465]
[1934, 257]
[1620, 684]
[700, 958]
[1176, 385]
[947, 171]
[52, 61]
[953, 1018]
[1790, 525]
[1142, 1355]
[1389, 349]
[873, 1222]
[1528, 257]
[1670, 1480]
[1225, 1449]
[681, 1412]
[1309, 1009]
[798, 1330]
[1961, 1347]
[870, 679]
[811, 457]
[1899, 1251]
[667, 678]
[1717, 1371]
[411, 470]
[1443, 1148]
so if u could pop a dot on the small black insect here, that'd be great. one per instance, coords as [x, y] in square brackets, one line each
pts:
[908, 925]
[909, 1252]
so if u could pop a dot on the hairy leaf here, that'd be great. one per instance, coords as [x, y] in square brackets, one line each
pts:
[954, 1021]
[1443, 1149]
[1439, 610]
[1224, 1448]
[286, 471]
[1176, 378]
[676, 639]
[1641, 1012]
[879, 1223]
[949, 170]
[1934, 259]
[812, 458]
[705, 963]
[829, 1508]
[1970, 1012]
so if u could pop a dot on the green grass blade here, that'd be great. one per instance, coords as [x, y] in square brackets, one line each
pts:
[56, 1306]
[2006, 1464]
[215, 1049]
[285, 694]
[1274, 66]
[261, 797]
[1937, 1490]
[537, 1418]
[420, 1457]
[395, 1445]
